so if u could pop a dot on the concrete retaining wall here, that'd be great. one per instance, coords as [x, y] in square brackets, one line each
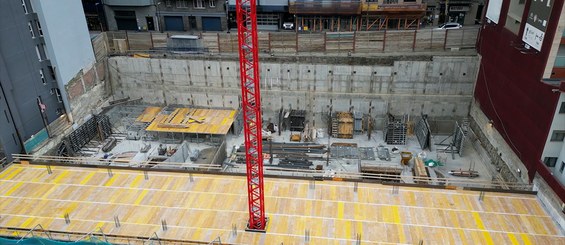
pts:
[550, 201]
[500, 153]
[441, 86]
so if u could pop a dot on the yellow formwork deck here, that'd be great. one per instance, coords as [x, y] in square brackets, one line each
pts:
[211, 205]
[148, 114]
[191, 120]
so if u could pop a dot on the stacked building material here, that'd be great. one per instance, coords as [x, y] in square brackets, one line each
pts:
[299, 163]
[384, 169]
[420, 170]
[342, 125]
[297, 118]
[289, 154]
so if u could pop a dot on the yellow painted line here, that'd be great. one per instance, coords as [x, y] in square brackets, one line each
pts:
[140, 197]
[177, 184]
[14, 221]
[100, 224]
[5, 172]
[53, 188]
[27, 222]
[14, 173]
[478, 220]
[87, 178]
[513, 239]
[135, 182]
[396, 214]
[115, 195]
[232, 113]
[347, 229]
[462, 236]
[224, 122]
[401, 234]
[526, 239]
[60, 177]
[488, 238]
[71, 207]
[196, 234]
[111, 180]
[340, 210]
[14, 188]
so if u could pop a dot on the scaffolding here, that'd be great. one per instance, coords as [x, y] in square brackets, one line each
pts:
[356, 15]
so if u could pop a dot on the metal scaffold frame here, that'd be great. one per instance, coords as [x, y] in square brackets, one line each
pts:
[251, 107]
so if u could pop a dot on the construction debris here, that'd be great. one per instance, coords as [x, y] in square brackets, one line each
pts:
[464, 173]
[342, 125]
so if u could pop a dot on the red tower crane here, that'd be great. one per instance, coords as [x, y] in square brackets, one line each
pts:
[251, 106]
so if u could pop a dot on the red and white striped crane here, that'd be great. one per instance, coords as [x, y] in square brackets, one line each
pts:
[251, 106]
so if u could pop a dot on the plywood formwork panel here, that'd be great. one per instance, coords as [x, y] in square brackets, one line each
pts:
[209, 206]
[191, 120]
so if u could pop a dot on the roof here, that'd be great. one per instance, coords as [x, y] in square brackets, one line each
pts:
[204, 207]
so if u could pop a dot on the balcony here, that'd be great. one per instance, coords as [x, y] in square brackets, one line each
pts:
[325, 7]
[135, 3]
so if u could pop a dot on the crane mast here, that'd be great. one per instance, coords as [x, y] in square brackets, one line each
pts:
[251, 106]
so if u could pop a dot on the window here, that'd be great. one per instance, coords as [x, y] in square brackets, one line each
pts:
[52, 71]
[182, 4]
[562, 167]
[558, 135]
[550, 161]
[199, 4]
[212, 3]
[38, 53]
[39, 30]
[30, 30]
[562, 108]
[58, 93]
[24, 6]
[44, 53]
[42, 76]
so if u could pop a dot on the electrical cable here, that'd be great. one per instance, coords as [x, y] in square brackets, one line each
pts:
[496, 112]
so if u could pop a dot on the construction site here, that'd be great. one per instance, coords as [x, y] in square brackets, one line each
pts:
[359, 137]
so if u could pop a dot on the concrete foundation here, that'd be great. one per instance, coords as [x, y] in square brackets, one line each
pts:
[440, 86]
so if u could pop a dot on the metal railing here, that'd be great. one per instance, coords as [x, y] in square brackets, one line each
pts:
[39, 232]
[272, 171]
[3, 162]
[81, 161]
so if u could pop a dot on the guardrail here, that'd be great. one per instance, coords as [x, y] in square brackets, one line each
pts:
[3, 162]
[122, 163]
[272, 171]
[39, 231]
